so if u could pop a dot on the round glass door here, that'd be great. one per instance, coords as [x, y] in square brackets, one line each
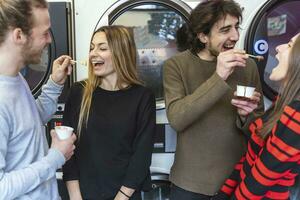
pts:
[35, 74]
[275, 24]
[154, 26]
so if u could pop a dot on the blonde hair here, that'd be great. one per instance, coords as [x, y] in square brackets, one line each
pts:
[122, 47]
[288, 92]
[18, 14]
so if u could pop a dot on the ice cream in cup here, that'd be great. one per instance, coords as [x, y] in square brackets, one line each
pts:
[63, 132]
[244, 91]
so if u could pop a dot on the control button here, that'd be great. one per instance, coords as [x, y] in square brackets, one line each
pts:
[57, 123]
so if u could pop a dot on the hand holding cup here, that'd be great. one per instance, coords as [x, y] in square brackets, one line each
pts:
[63, 140]
[63, 132]
[244, 92]
[247, 100]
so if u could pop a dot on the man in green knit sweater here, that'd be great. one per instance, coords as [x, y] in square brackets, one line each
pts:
[199, 86]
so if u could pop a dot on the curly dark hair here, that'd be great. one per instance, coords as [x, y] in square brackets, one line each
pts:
[205, 15]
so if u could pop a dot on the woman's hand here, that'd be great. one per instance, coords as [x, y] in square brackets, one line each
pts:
[120, 196]
[124, 193]
[74, 190]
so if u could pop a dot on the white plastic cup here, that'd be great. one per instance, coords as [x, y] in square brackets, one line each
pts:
[63, 132]
[240, 90]
[249, 92]
[244, 91]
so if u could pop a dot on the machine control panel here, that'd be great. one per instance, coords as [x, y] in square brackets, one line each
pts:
[55, 121]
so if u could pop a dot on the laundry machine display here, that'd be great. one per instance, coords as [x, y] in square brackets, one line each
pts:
[275, 23]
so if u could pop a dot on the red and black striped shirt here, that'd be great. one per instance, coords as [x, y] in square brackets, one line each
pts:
[269, 167]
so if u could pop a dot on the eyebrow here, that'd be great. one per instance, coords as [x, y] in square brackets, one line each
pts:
[98, 44]
[228, 26]
[225, 27]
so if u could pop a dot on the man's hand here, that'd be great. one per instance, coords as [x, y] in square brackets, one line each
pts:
[66, 147]
[61, 69]
[246, 106]
[228, 60]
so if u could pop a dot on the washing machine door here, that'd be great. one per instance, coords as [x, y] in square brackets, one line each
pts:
[154, 24]
[275, 23]
[37, 75]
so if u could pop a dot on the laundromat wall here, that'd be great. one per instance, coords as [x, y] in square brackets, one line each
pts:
[88, 15]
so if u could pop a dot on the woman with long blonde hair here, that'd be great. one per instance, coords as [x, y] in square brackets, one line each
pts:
[272, 161]
[114, 116]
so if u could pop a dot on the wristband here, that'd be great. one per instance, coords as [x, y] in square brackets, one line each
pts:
[124, 193]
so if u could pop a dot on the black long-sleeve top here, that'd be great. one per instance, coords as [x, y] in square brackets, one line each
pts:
[115, 148]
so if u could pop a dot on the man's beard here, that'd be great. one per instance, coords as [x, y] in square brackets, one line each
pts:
[30, 55]
[213, 52]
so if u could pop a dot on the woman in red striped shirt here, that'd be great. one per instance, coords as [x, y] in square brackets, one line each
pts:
[272, 161]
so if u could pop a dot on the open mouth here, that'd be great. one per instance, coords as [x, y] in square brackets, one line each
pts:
[97, 63]
[228, 46]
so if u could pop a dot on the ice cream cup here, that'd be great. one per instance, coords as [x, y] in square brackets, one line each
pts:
[63, 132]
[244, 91]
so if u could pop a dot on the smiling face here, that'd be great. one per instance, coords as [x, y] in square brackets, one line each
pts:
[223, 36]
[39, 37]
[100, 57]
[283, 53]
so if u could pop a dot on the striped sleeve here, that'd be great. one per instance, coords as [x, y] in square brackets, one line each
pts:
[273, 166]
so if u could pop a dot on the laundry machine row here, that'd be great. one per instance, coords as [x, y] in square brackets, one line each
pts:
[155, 23]
[266, 23]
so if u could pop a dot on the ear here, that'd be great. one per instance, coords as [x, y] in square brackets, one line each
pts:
[18, 36]
[202, 37]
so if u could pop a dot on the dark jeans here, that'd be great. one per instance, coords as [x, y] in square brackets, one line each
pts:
[178, 193]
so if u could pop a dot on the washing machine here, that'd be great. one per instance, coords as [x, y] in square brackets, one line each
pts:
[62, 35]
[37, 75]
[63, 43]
[274, 22]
